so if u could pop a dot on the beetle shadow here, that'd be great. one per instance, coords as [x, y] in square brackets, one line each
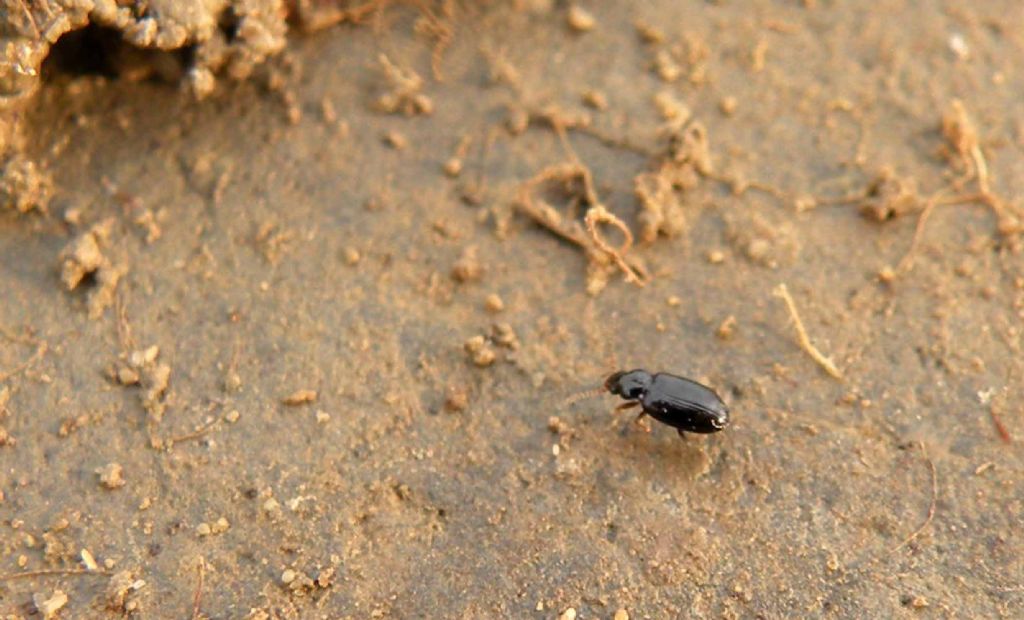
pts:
[662, 452]
[656, 454]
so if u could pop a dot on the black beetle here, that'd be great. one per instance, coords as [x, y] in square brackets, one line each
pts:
[681, 403]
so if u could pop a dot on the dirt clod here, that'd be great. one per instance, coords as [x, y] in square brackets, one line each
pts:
[889, 196]
[111, 475]
[467, 268]
[48, 606]
[480, 351]
[300, 397]
[456, 399]
[84, 256]
[504, 335]
[23, 186]
[120, 586]
[405, 96]
[727, 328]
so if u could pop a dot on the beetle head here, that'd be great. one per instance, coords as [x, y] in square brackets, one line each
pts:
[631, 385]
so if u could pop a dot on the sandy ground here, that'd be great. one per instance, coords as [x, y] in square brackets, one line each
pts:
[298, 350]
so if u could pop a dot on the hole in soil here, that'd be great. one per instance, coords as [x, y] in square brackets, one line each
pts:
[102, 51]
[86, 51]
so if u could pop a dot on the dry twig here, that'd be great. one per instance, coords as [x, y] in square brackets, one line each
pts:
[931, 507]
[598, 214]
[198, 598]
[51, 572]
[40, 351]
[805, 342]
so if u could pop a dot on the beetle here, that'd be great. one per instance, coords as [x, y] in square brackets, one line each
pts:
[681, 403]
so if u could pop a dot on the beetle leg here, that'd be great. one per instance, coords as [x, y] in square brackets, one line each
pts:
[628, 405]
[639, 421]
[682, 434]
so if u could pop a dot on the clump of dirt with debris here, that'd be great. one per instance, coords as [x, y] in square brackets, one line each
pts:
[191, 43]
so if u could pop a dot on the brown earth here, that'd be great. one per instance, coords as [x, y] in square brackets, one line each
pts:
[302, 349]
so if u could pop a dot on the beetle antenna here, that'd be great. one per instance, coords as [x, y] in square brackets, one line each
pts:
[575, 398]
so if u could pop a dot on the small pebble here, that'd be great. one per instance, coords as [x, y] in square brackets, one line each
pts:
[144, 357]
[671, 108]
[568, 614]
[832, 563]
[352, 256]
[127, 376]
[666, 66]
[88, 561]
[222, 525]
[716, 257]
[759, 249]
[595, 99]
[232, 382]
[453, 167]
[728, 105]
[649, 33]
[395, 140]
[556, 425]
[517, 122]
[673, 301]
[494, 303]
[327, 111]
[621, 614]
[322, 417]
[288, 576]
[580, 19]
[726, 330]
[232, 416]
